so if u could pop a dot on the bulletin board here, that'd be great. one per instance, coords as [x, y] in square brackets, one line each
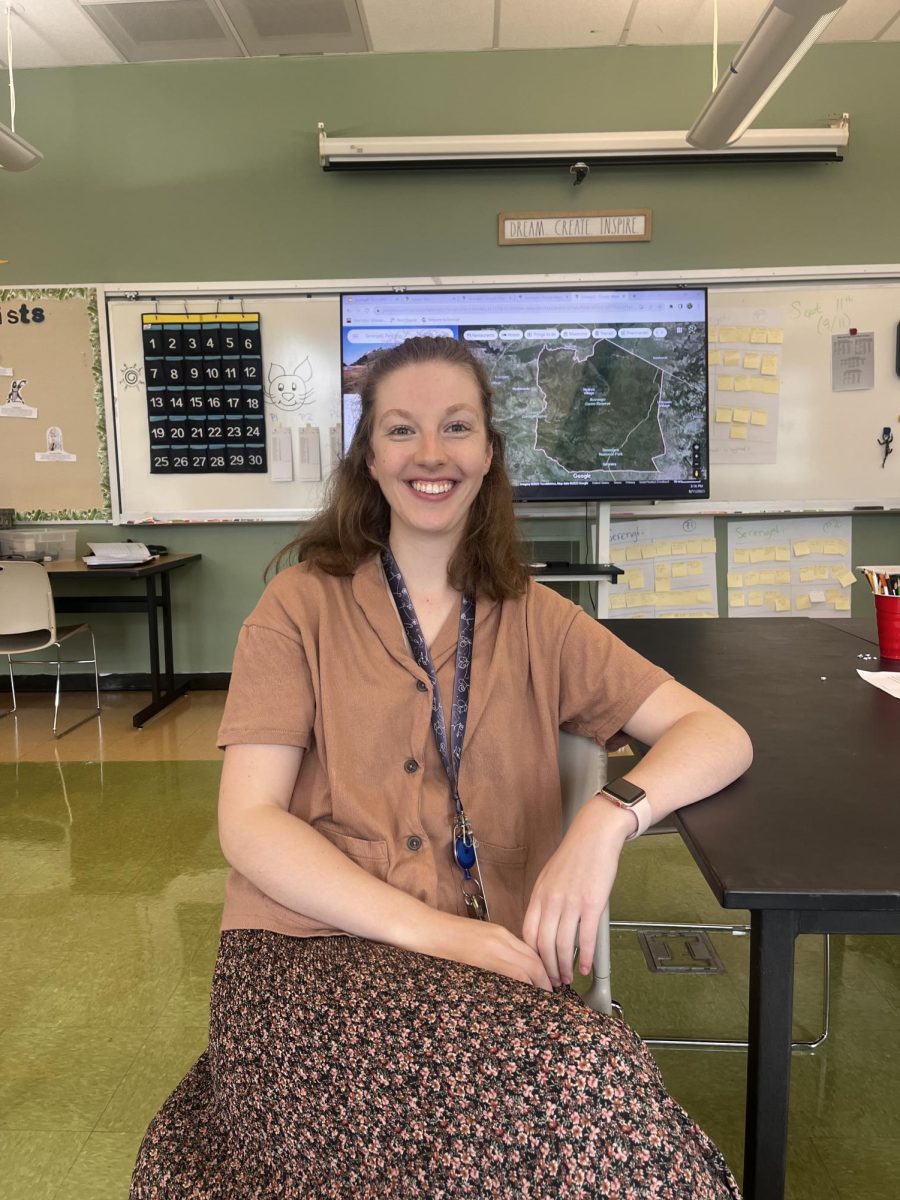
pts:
[794, 427]
[53, 456]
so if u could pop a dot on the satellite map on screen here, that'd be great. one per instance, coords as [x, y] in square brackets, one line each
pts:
[586, 408]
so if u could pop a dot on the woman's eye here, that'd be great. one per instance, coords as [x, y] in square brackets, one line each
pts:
[458, 427]
[402, 430]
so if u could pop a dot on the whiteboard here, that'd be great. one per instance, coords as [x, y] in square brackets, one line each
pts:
[827, 457]
[301, 349]
[827, 451]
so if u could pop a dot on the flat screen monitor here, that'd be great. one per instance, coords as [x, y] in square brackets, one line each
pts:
[600, 393]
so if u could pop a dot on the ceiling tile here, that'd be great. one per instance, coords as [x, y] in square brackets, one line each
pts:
[538, 25]
[407, 25]
[55, 33]
[689, 22]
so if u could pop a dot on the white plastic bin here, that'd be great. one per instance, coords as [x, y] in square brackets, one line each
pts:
[38, 545]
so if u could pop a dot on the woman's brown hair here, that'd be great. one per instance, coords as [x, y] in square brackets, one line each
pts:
[355, 521]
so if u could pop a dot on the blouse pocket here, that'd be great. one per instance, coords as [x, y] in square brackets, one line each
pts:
[372, 855]
[503, 876]
[503, 856]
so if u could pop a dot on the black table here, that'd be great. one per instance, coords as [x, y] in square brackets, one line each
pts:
[152, 602]
[808, 839]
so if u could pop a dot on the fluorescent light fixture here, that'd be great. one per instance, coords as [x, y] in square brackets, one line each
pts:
[783, 34]
[15, 153]
[567, 149]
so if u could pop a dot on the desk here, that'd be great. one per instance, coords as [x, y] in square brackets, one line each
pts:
[152, 602]
[807, 839]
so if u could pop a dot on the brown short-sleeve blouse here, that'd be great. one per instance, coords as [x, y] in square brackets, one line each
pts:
[322, 663]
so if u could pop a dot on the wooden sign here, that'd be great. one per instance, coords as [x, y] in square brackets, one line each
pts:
[612, 225]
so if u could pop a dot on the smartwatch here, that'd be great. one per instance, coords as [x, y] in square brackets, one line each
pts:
[627, 795]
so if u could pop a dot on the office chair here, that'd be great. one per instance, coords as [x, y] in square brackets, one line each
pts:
[583, 768]
[28, 624]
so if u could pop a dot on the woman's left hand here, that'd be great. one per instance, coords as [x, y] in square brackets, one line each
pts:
[573, 889]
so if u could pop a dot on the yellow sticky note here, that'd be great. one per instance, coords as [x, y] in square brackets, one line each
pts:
[755, 599]
[679, 570]
[822, 571]
[738, 432]
[663, 571]
[742, 333]
[758, 554]
[758, 336]
[664, 585]
[695, 567]
[732, 358]
[769, 364]
[734, 579]
[663, 549]
[782, 577]
[831, 595]
[758, 417]
[802, 602]
[775, 337]
[712, 333]
[725, 383]
[704, 595]
[694, 546]
[751, 361]
[834, 546]
[616, 601]
[742, 416]
[782, 604]
[758, 386]
[728, 333]
[846, 579]
[634, 599]
[769, 387]
[679, 547]
[742, 554]
[735, 599]
[816, 545]
[782, 554]
[767, 576]
[635, 579]
[751, 578]
[632, 552]
[801, 548]
[723, 416]
[715, 358]
[807, 574]
[708, 545]
[741, 383]
[842, 604]
[648, 550]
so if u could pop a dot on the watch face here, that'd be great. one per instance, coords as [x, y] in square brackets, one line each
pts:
[627, 793]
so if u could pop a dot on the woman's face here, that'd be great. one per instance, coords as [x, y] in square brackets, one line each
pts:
[429, 450]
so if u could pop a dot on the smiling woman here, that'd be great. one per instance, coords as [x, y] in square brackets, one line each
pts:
[400, 688]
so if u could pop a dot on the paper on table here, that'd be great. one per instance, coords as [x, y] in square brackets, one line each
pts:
[888, 681]
[117, 554]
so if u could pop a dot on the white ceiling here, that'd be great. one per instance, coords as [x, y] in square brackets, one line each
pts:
[56, 33]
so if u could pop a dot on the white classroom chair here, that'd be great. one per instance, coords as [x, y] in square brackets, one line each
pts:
[28, 624]
[582, 772]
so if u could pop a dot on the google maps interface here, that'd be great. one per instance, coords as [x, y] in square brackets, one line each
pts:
[591, 388]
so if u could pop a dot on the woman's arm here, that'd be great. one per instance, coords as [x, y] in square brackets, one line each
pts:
[696, 749]
[295, 865]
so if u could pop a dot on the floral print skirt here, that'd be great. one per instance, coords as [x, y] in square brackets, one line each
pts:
[342, 1069]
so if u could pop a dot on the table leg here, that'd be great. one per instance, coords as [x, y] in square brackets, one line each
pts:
[153, 630]
[769, 1056]
[167, 632]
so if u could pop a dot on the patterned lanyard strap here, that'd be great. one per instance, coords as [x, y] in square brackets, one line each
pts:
[449, 748]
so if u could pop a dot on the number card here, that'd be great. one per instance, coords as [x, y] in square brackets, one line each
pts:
[205, 404]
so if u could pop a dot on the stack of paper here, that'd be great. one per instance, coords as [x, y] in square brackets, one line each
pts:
[117, 554]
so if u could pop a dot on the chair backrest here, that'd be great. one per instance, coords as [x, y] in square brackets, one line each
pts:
[26, 601]
[582, 772]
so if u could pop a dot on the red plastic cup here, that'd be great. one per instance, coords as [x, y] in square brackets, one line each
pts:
[887, 618]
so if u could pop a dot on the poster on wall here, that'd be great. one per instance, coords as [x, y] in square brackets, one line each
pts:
[53, 462]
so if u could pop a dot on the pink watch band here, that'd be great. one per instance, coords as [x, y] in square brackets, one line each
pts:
[644, 815]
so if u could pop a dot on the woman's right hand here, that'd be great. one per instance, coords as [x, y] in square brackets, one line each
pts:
[482, 944]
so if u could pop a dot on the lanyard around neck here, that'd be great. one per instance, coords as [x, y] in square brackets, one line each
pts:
[449, 742]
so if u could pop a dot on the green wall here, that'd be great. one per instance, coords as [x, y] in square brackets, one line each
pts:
[191, 172]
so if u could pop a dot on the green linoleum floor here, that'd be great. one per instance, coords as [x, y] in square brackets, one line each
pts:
[110, 891]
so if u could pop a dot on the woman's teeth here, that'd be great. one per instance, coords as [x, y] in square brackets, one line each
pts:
[430, 489]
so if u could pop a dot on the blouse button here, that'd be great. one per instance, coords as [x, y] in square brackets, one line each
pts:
[421, 685]
[414, 843]
[410, 766]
